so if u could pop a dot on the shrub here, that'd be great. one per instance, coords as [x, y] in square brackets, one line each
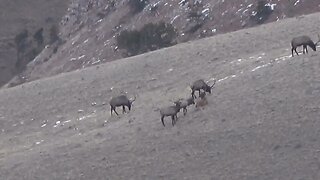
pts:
[155, 36]
[196, 18]
[193, 27]
[53, 33]
[21, 40]
[129, 40]
[101, 15]
[137, 5]
[149, 38]
[38, 36]
[55, 50]
[262, 12]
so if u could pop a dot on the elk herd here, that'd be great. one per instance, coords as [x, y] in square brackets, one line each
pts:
[172, 111]
[202, 87]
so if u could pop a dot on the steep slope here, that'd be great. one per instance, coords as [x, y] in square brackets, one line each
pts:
[17, 17]
[89, 29]
[261, 121]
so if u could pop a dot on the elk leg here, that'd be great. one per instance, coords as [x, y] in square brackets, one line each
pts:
[199, 92]
[173, 121]
[292, 49]
[123, 109]
[162, 120]
[306, 47]
[303, 49]
[192, 94]
[184, 111]
[296, 51]
[114, 109]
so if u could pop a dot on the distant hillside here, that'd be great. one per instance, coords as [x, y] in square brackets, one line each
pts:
[20, 21]
[90, 29]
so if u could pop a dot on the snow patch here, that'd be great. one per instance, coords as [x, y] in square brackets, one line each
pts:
[223, 79]
[85, 117]
[272, 6]
[174, 18]
[39, 142]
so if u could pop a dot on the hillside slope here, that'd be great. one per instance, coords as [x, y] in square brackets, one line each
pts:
[261, 121]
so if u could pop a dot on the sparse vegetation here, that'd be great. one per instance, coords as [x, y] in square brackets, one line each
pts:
[290, 8]
[195, 17]
[53, 34]
[105, 11]
[21, 40]
[55, 50]
[149, 38]
[262, 12]
[195, 10]
[137, 6]
[28, 47]
[101, 15]
[129, 40]
[193, 27]
[38, 36]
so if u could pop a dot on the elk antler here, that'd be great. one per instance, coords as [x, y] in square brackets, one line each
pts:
[214, 82]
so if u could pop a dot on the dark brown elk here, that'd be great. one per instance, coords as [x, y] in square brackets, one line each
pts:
[303, 41]
[200, 84]
[121, 100]
[170, 111]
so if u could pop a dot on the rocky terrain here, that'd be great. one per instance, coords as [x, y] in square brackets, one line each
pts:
[262, 120]
[88, 30]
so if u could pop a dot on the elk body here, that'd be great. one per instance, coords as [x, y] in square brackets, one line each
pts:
[185, 103]
[121, 100]
[202, 101]
[200, 84]
[170, 111]
[303, 41]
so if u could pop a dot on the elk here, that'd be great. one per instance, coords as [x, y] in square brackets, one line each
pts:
[202, 101]
[170, 111]
[121, 100]
[200, 84]
[185, 103]
[303, 41]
